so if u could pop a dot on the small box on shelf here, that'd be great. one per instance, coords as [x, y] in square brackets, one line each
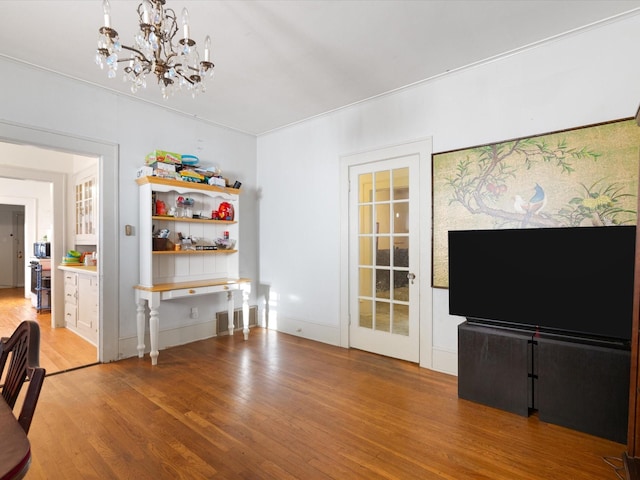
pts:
[217, 181]
[145, 171]
[206, 247]
[162, 244]
[163, 156]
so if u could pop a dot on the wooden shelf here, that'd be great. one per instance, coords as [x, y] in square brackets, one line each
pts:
[183, 185]
[169, 218]
[193, 252]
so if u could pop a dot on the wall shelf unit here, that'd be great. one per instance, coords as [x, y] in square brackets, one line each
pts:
[195, 268]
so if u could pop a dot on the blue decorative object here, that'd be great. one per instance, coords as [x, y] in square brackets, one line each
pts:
[190, 160]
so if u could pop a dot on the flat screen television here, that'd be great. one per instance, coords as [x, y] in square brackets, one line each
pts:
[571, 281]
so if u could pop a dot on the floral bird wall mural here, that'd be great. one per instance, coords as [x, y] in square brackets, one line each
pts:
[581, 177]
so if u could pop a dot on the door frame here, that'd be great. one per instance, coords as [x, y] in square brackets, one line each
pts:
[422, 148]
[18, 219]
[109, 258]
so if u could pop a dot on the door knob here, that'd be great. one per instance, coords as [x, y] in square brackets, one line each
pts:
[411, 276]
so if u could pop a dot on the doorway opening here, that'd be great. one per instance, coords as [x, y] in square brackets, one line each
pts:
[31, 210]
[108, 239]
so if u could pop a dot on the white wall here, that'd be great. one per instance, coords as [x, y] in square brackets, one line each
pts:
[21, 191]
[70, 109]
[580, 79]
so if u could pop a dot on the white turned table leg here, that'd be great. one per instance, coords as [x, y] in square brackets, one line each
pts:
[153, 330]
[230, 311]
[245, 312]
[154, 325]
[140, 318]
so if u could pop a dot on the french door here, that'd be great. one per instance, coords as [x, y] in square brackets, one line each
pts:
[384, 284]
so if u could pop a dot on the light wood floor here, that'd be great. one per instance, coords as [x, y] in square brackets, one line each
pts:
[60, 349]
[280, 407]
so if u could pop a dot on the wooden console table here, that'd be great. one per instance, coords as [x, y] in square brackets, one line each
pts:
[155, 294]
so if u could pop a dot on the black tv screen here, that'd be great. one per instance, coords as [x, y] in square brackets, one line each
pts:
[574, 281]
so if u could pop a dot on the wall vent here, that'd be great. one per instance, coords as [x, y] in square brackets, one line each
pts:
[222, 319]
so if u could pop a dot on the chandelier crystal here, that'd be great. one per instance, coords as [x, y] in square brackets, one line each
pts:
[176, 65]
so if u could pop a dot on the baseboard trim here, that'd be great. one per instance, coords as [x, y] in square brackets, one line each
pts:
[128, 347]
[445, 361]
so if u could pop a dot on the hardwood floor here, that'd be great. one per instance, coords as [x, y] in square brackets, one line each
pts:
[281, 407]
[60, 349]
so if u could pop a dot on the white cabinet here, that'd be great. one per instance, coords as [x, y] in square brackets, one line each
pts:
[85, 208]
[81, 302]
[70, 299]
[87, 321]
[167, 272]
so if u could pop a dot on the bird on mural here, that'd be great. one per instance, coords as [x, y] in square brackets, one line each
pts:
[534, 206]
[538, 201]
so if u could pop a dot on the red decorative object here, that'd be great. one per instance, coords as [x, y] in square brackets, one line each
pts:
[161, 208]
[225, 211]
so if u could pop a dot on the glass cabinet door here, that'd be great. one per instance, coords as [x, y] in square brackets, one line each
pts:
[85, 210]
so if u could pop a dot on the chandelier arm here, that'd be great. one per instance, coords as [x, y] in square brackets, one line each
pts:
[165, 37]
[135, 50]
[180, 70]
[169, 57]
[173, 24]
[185, 77]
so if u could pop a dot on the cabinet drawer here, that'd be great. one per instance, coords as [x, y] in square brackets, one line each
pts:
[70, 279]
[70, 295]
[189, 292]
[70, 315]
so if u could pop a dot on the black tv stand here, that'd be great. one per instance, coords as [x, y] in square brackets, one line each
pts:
[578, 383]
[598, 342]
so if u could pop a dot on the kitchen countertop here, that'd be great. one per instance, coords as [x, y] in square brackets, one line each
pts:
[93, 270]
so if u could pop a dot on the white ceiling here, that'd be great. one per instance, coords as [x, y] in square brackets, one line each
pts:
[282, 61]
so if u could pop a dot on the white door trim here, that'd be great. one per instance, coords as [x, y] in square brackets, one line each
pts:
[422, 148]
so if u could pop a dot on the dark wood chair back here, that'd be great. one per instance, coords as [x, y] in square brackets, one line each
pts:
[22, 352]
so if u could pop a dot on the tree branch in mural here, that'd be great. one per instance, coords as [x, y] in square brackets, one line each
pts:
[482, 178]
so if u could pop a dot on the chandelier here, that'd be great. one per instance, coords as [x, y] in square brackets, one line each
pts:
[176, 65]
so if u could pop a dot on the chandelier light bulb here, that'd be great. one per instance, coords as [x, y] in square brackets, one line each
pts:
[185, 23]
[147, 8]
[106, 10]
[207, 49]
